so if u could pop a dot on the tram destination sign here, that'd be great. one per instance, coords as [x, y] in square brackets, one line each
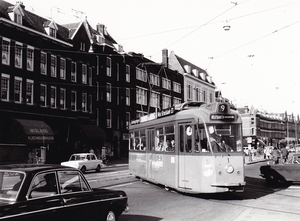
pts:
[222, 117]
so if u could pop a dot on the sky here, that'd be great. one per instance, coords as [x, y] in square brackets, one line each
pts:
[255, 63]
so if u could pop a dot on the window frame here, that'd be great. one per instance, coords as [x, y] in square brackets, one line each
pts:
[18, 80]
[6, 51]
[29, 94]
[5, 77]
[30, 58]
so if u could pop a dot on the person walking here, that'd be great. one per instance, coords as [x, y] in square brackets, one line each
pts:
[284, 154]
[276, 155]
[268, 151]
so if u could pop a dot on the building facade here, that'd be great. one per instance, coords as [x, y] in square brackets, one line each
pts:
[198, 85]
[271, 129]
[71, 88]
[47, 106]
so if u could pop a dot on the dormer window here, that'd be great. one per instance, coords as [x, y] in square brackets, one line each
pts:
[51, 28]
[52, 32]
[18, 18]
[16, 13]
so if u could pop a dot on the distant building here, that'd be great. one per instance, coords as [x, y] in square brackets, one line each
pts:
[198, 85]
[268, 128]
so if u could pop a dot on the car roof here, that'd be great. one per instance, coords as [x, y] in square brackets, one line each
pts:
[32, 167]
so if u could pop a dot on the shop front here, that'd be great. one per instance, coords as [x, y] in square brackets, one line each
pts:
[27, 141]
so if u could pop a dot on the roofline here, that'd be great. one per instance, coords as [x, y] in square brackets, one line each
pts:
[3, 20]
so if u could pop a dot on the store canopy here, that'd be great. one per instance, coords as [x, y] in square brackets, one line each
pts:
[31, 131]
[93, 132]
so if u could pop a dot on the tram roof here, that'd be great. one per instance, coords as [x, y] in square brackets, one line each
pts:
[217, 112]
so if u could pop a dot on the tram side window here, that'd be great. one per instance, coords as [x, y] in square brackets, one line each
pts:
[197, 145]
[143, 140]
[138, 140]
[132, 141]
[152, 139]
[201, 144]
[159, 139]
[170, 138]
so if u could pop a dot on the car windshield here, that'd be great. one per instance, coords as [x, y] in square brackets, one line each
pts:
[10, 183]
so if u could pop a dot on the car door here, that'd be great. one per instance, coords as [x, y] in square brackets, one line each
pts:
[43, 200]
[94, 161]
[78, 199]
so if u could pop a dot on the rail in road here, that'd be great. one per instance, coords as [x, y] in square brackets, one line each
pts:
[110, 178]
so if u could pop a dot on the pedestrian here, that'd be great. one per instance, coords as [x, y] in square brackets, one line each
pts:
[268, 151]
[276, 155]
[284, 154]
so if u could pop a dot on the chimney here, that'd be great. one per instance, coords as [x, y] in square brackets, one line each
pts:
[165, 59]
[101, 28]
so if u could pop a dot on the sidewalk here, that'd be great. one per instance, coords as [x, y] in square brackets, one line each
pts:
[118, 162]
[255, 159]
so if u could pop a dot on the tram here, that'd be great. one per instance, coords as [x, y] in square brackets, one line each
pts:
[193, 147]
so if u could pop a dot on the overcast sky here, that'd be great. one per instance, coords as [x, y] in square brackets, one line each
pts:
[255, 63]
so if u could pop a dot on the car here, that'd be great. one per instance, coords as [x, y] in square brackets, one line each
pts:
[55, 192]
[282, 173]
[84, 162]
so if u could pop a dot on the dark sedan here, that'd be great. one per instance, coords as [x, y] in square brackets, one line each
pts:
[282, 173]
[53, 192]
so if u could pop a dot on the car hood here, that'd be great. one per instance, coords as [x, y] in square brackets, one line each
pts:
[71, 163]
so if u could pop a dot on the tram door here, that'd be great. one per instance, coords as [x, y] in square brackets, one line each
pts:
[185, 162]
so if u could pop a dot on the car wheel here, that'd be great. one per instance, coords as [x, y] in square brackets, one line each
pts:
[111, 216]
[83, 169]
[98, 168]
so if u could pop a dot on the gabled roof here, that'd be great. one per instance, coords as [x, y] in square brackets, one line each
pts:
[33, 21]
[203, 75]
[184, 62]
[15, 8]
[92, 33]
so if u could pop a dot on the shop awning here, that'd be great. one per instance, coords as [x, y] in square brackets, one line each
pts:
[93, 132]
[31, 131]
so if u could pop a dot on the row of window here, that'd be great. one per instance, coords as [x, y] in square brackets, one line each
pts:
[109, 94]
[154, 80]
[109, 70]
[197, 94]
[86, 99]
[160, 139]
[119, 124]
[18, 62]
[141, 98]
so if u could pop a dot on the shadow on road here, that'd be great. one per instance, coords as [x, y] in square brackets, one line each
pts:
[255, 188]
[126, 217]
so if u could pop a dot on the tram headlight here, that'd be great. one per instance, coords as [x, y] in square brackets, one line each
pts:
[229, 169]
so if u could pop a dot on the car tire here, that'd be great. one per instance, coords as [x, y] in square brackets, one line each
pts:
[83, 169]
[111, 216]
[98, 168]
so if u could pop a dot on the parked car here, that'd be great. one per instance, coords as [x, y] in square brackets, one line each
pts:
[84, 162]
[287, 172]
[54, 192]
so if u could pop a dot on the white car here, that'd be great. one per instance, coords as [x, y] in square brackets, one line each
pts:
[84, 162]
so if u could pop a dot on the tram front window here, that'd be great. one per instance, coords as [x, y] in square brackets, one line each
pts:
[225, 138]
